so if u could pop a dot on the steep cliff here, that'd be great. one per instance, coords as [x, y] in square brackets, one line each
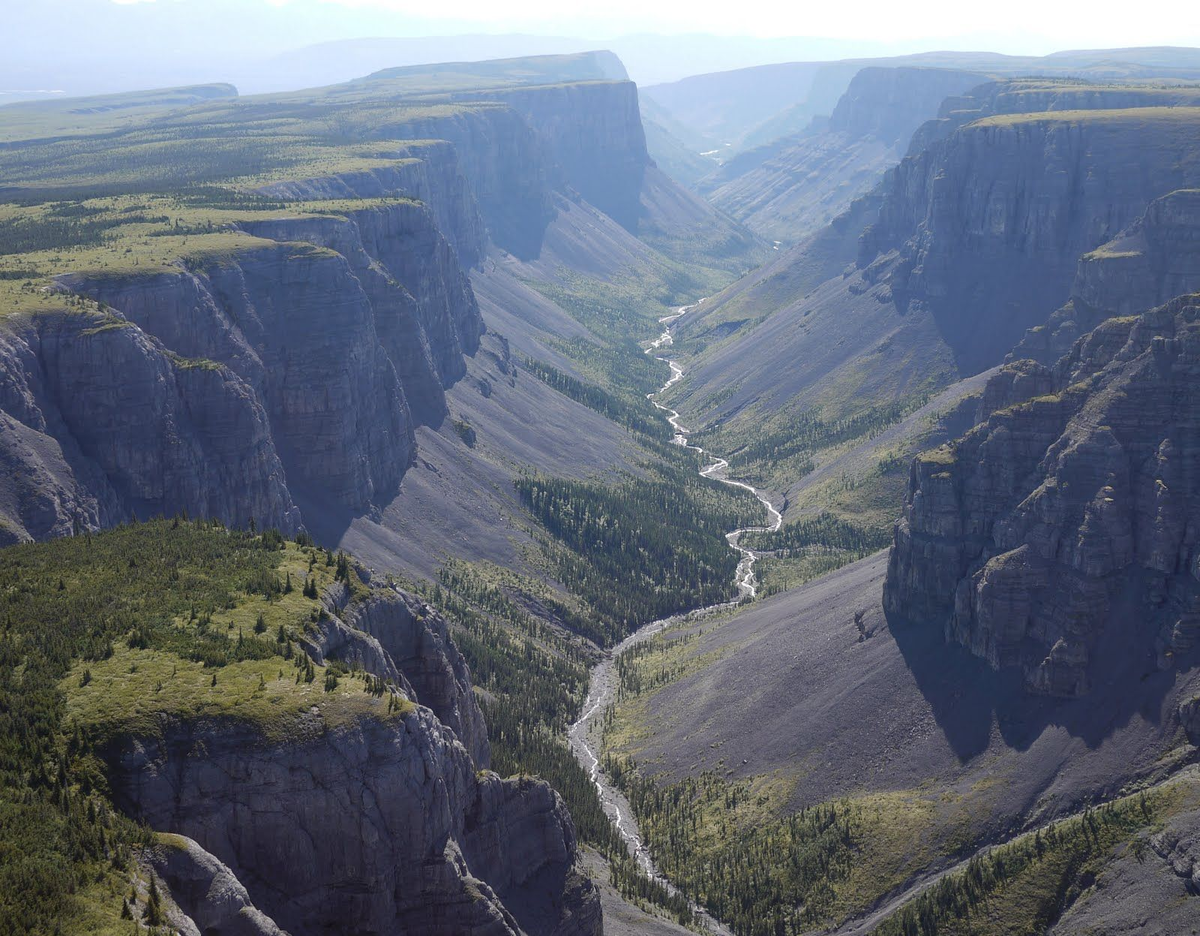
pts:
[1063, 526]
[1154, 259]
[427, 171]
[592, 134]
[336, 407]
[392, 822]
[388, 828]
[417, 639]
[265, 390]
[102, 423]
[990, 221]
[806, 180]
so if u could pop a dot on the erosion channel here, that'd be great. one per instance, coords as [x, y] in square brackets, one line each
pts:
[585, 734]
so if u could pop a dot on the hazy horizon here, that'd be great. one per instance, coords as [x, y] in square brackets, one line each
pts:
[104, 46]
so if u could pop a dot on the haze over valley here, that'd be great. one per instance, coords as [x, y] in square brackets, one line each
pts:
[464, 479]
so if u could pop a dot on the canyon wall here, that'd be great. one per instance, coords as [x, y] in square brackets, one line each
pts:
[392, 824]
[1065, 525]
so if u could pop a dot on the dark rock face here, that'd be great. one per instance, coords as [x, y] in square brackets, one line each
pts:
[391, 824]
[207, 896]
[593, 137]
[417, 638]
[217, 389]
[990, 220]
[1154, 259]
[335, 405]
[428, 172]
[126, 428]
[384, 827]
[1021, 537]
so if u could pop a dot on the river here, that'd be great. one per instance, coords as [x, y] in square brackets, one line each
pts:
[584, 735]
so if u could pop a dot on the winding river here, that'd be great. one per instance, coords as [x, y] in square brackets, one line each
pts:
[584, 735]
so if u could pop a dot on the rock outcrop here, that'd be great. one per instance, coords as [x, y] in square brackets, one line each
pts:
[385, 824]
[1023, 537]
[1154, 259]
[990, 221]
[102, 423]
[207, 896]
[217, 387]
[390, 824]
[417, 638]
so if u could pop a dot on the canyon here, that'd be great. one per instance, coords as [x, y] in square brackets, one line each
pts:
[404, 337]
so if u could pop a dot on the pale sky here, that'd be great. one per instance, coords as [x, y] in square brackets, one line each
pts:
[94, 46]
[1012, 25]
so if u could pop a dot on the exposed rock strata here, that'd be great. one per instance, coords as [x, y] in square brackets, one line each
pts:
[991, 220]
[216, 388]
[1022, 538]
[1154, 259]
[390, 825]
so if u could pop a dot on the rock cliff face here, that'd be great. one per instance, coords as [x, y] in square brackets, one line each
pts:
[417, 638]
[593, 137]
[427, 171]
[1076, 497]
[218, 387]
[390, 827]
[1154, 259]
[102, 422]
[808, 179]
[385, 826]
[503, 161]
[990, 220]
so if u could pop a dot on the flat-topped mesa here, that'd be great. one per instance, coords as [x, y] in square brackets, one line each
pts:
[1154, 259]
[1064, 529]
[989, 221]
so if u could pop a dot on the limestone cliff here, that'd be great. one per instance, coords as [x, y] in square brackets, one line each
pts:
[1154, 259]
[220, 385]
[990, 220]
[1067, 521]
[101, 422]
[385, 826]
[592, 135]
[390, 825]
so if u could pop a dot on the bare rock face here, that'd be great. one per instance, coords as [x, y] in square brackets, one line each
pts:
[990, 219]
[335, 403]
[371, 824]
[124, 427]
[217, 388]
[427, 171]
[207, 897]
[386, 827]
[417, 638]
[1189, 717]
[1019, 538]
[593, 139]
[1154, 259]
